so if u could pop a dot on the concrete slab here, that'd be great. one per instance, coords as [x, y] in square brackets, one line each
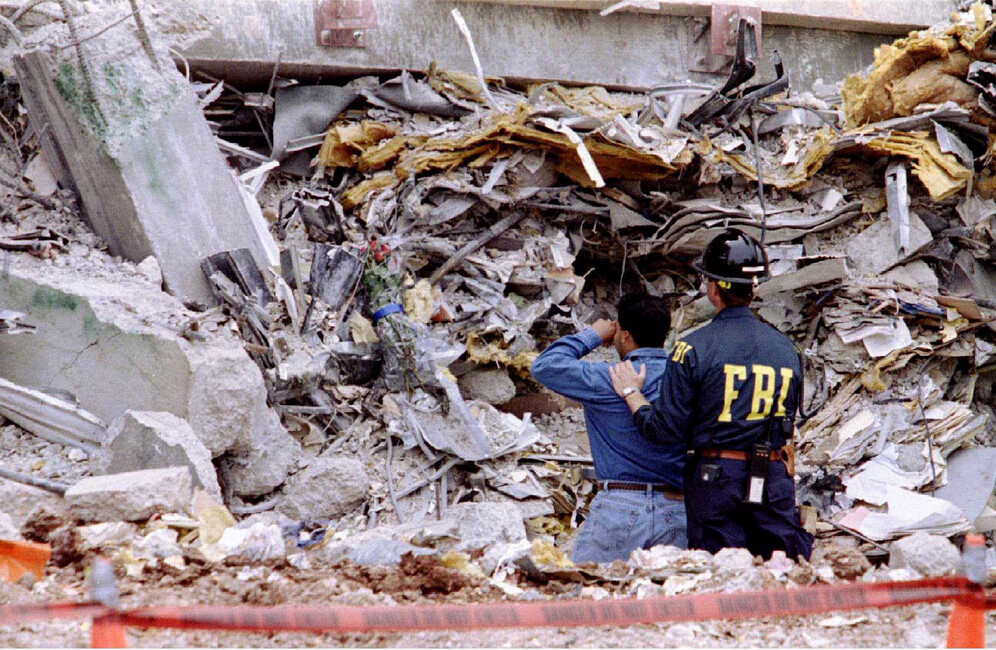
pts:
[971, 480]
[872, 251]
[164, 191]
[521, 43]
[154, 440]
[131, 496]
[19, 500]
[112, 339]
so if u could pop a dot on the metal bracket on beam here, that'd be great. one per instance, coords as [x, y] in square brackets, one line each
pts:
[713, 43]
[344, 23]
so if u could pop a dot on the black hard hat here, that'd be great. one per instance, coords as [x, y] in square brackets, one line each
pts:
[734, 257]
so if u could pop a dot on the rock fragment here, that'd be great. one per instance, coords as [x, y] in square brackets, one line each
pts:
[7, 528]
[928, 555]
[132, 496]
[489, 385]
[330, 486]
[155, 440]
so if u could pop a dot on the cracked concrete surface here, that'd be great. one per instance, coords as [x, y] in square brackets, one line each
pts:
[111, 338]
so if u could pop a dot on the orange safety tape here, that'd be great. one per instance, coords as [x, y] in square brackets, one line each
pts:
[627, 611]
[40, 613]
[566, 613]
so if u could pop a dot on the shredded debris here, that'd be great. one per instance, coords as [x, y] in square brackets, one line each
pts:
[416, 241]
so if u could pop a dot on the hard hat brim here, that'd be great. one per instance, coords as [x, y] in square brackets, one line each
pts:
[699, 266]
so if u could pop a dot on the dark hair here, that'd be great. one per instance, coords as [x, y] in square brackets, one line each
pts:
[647, 318]
[738, 295]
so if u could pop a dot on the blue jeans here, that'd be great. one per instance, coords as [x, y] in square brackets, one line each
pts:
[621, 521]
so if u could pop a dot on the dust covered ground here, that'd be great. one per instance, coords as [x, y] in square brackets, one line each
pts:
[424, 580]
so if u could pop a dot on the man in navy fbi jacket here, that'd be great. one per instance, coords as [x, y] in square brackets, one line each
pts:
[639, 504]
[730, 394]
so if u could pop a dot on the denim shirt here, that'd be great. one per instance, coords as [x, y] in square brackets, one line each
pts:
[619, 451]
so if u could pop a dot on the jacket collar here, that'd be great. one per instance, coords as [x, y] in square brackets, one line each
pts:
[734, 312]
[647, 352]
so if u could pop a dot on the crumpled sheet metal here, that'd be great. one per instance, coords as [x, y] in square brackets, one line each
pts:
[305, 110]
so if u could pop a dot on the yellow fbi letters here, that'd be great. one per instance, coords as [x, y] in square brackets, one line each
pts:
[763, 397]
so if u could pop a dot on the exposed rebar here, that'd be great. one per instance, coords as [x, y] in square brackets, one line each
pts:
[143, 35]
[25, 479]
[85, 70]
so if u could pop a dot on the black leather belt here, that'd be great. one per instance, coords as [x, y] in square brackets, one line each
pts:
[668, 492]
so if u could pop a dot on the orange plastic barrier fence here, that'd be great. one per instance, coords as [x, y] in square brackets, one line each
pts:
[967, 624]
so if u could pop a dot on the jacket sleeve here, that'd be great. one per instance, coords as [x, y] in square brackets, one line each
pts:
[561, 369]
[668, 421]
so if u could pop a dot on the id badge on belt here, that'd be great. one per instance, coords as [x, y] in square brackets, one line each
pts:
[760, 461]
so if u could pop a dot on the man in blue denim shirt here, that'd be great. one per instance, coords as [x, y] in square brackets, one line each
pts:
[639, 504]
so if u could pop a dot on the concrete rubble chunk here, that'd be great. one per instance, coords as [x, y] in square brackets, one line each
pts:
[7, 528]
[331, 486]
[734, 559]
[915, 274]
[260, 465]
[383, 552]
[929, 555]
[490, 385]
[99, 335]
[260, 542]
[132, 496]
[482, 525]
[159, 544]
[155, 440]
[873, 251]
[20, 500]
[109, 535]
[845, 562]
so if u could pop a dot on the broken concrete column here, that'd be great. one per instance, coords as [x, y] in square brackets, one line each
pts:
[164, 190]
[109, 337]
[155, 440]
[331, 486]
[132, 496]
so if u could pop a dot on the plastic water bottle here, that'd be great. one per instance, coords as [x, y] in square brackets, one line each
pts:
[973, 558]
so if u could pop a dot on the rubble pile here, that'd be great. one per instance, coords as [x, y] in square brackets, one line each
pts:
[426, 235]
[491, 206]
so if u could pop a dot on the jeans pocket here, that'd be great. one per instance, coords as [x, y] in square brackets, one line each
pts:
[613, 523]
